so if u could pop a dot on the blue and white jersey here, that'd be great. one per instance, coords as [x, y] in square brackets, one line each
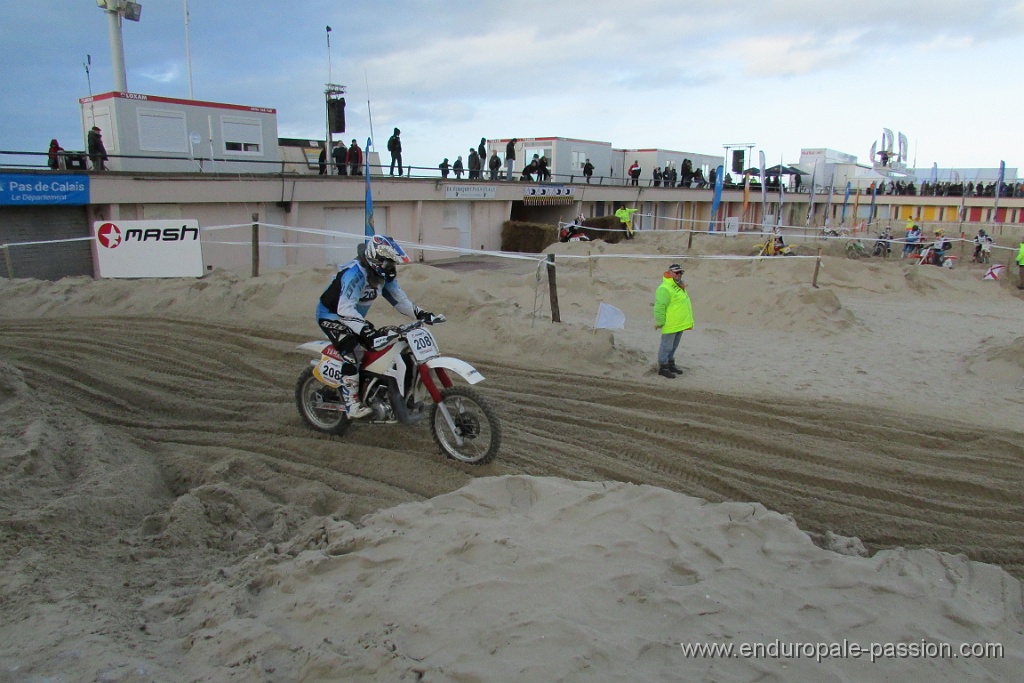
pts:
[350, 296]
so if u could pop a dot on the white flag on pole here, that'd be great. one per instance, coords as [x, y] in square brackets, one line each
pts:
[994, 272]
[609, 318]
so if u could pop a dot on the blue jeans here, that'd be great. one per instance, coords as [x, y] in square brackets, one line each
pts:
[667, 347]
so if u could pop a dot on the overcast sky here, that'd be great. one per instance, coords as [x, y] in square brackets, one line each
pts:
[685, 76]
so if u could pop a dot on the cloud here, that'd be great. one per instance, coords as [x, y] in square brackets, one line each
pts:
[162, 73]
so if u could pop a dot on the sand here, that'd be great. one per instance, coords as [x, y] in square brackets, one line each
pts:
[840, 464]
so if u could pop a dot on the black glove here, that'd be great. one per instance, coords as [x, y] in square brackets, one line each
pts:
[428, 317]
[375, 339]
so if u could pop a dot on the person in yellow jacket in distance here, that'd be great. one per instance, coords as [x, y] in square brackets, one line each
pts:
[1020, 265]
[626, 216]
[673, 315]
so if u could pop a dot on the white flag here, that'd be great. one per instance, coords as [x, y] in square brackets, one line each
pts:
[994, 272]
[609, 318]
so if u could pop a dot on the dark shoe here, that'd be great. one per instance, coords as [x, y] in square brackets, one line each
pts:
[665, 372]
[672, 368]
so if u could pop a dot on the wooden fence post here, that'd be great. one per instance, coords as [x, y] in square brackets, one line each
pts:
[7, 261]
[255, 245]
[553, 290]
[817, 267]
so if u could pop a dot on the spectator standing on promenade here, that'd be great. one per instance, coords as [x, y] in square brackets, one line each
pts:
[510, 158]
[97, 151]
[673, 315]
[481, 151]
[457, 167]
[444, 166]
[656, 175]
[395, 147]
[494, 165]
[634, 173]
[355, 158]
[55, 155]
[340, 157]
[474, 164]
[588, 170]
[321, 160]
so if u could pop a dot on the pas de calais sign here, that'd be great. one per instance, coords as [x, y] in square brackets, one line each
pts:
[164, 248]
[38, 190]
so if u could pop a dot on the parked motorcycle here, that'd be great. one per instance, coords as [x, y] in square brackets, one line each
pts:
[399, 383]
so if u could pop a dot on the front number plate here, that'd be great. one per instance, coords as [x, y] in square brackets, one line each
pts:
[422, 344]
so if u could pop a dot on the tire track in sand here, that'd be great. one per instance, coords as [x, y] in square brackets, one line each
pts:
[215, 400]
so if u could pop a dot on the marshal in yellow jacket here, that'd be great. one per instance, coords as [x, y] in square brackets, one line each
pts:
[673, 311]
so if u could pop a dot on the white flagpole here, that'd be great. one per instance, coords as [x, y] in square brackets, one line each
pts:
[188, 52]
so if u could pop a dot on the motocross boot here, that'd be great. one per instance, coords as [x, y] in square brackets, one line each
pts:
[674, 368]
[664, 371]
[350, 392]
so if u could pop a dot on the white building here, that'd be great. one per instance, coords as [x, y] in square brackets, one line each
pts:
[151, 133]
[661, 158]
[566, 157]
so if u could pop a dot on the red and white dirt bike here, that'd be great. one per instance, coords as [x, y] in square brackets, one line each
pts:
[398, 383]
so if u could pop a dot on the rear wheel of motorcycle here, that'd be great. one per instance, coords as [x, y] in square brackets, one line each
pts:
[309, 393]
[475, 421]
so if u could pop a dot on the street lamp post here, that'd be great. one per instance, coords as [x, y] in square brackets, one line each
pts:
[116, 9]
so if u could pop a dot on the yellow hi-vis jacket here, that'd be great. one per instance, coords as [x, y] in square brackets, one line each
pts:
[673, 311]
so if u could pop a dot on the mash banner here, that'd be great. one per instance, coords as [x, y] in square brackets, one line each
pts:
[163, 248]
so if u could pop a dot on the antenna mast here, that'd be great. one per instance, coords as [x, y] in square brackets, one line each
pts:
[188, 51]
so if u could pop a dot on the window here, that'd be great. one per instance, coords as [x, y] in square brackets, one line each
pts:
[539, 151]
[242, 136]
[579, 157]
[162, 131]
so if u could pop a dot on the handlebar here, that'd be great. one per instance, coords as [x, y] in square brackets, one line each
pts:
[402, 330]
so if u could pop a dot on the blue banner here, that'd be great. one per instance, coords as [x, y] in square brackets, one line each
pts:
[368, 228]
[846, 200]
[717, 197]
[764, 188]
[40, 189]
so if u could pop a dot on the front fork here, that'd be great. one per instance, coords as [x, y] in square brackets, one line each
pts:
[435, 395]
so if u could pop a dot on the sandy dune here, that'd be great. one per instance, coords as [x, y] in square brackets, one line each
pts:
[165, 515]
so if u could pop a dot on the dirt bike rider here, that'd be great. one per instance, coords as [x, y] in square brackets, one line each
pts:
[938, 248]
[346, 300]
[882, 244]
[979, 242]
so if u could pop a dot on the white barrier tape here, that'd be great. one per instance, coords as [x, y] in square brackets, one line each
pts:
[674, 257]
[69, 239]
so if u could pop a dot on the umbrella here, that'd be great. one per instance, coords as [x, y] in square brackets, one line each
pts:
[777, 169]
[780, 169]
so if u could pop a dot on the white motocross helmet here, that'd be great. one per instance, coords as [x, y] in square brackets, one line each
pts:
[382, 254]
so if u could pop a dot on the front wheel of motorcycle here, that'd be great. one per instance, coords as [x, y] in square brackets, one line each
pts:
[476, 425]
[320, 406]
